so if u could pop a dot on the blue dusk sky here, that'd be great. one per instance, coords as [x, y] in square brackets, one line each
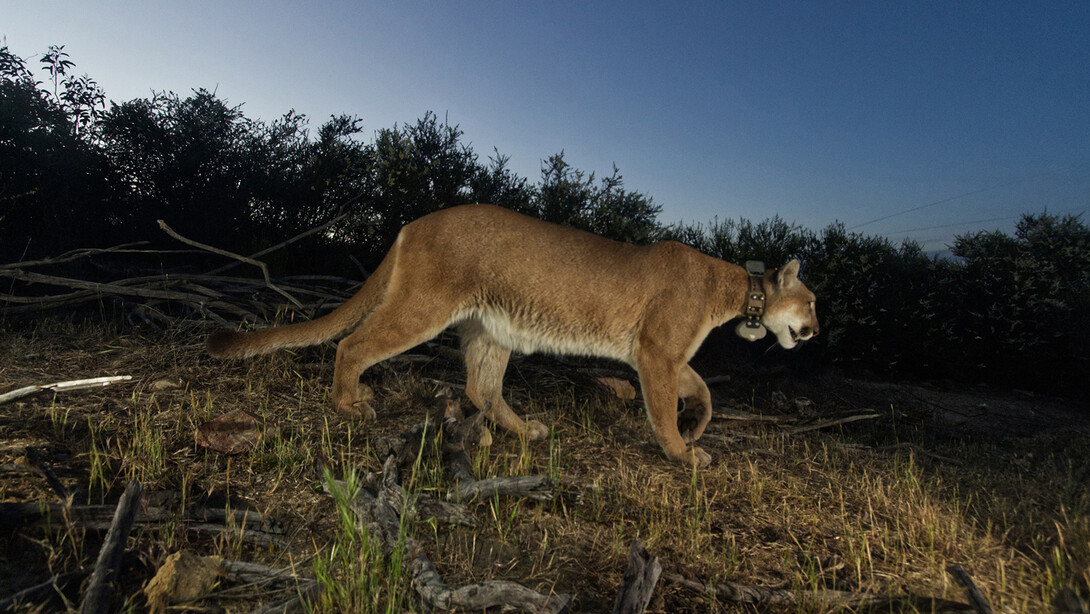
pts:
[911, 119]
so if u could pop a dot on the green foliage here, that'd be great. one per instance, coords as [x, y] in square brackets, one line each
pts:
[53, 180]
[1025, 300]
[569, 196]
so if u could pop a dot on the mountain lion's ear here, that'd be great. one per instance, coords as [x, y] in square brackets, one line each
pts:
[789, 274]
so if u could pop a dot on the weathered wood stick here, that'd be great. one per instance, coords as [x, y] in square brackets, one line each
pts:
[77, 384]
[827, 423]
[96, 599]
[640, 579]
[976, 598]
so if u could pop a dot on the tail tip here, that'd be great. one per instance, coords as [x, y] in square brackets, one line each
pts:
[220, 344]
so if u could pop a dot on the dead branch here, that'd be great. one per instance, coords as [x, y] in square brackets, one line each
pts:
[742, 417]
[640, 579]
[97, 597]
[77, 384]
[342, 213]
[976, 598]
[222, 252]
[76, 254]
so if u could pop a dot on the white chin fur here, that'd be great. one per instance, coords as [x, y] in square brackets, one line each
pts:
[786, 341]
[783, 338]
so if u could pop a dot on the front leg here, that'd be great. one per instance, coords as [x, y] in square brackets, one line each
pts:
[659, 383]
[698, 404]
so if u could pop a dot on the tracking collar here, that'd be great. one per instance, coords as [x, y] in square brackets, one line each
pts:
[751, 328]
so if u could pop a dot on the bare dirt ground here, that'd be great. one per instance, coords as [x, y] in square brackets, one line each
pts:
[945, 474]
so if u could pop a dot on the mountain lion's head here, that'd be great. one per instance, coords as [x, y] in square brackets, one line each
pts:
[789, 306]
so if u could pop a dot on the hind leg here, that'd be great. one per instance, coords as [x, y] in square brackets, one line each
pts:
[486, 362]
[397, 324]
[698, 404]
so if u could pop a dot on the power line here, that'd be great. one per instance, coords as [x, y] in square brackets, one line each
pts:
[931, 204]
[967, 194]
[991, 219]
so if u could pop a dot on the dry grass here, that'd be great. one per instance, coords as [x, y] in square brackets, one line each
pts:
[814, 511]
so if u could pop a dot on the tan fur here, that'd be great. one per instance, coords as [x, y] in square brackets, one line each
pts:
[509, 282]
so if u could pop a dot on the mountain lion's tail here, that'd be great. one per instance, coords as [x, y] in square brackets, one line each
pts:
[230, 344]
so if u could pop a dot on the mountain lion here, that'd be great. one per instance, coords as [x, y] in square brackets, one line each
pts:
[509, 282]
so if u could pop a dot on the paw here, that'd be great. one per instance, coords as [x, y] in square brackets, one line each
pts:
[536, 430]
[356, 410]
[698, 458]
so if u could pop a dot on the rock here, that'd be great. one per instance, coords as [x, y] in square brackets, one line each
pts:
[184, 576]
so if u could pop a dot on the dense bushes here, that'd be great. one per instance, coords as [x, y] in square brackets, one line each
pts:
[1010, 310]
[73, 173]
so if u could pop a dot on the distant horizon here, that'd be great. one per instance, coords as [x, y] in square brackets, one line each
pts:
[916, 121]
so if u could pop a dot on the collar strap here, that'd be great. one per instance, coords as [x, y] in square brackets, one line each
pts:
[755, 297]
